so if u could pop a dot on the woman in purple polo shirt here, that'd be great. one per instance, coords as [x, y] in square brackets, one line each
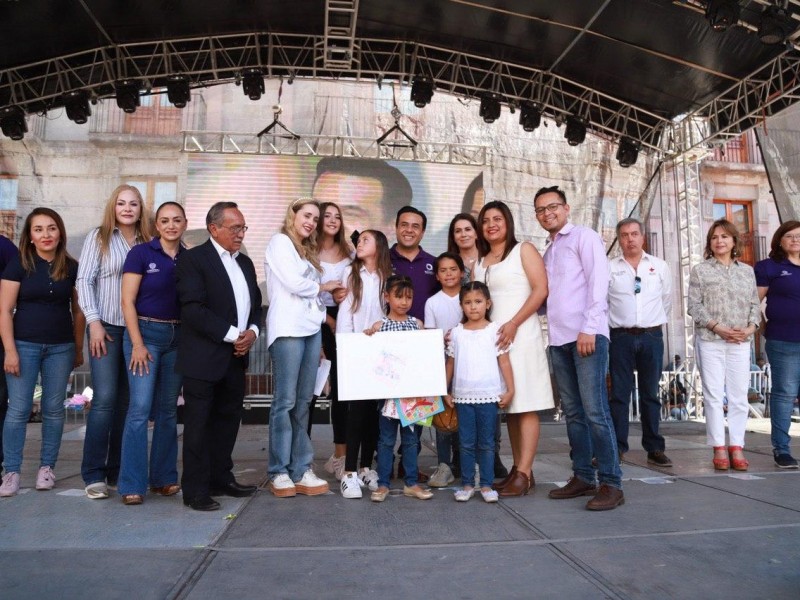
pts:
[150, 344]
[778, 280]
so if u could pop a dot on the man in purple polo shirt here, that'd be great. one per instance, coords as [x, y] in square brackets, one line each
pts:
[408, 257]
[577, 317]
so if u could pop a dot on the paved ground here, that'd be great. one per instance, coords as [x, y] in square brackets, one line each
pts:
[685, 532]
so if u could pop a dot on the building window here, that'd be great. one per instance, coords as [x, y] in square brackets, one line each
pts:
[155, 190]
[8, 206]
[740, 213]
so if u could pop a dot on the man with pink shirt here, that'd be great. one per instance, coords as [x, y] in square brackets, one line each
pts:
[577, 317]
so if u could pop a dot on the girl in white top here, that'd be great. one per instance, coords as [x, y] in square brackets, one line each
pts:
[478, 387]
[335, 255]
[294, 318]
[361, 307]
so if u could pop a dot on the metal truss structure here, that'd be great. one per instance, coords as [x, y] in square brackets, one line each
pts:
[329, 145]
[219, 59]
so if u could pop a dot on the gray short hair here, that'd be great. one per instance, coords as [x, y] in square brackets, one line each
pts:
[216, 213]
[628, 221]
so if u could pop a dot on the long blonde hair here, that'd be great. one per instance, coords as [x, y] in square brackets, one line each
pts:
[306, 247]
[145, 228]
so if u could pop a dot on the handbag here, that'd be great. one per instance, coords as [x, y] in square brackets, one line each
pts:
[447, 420]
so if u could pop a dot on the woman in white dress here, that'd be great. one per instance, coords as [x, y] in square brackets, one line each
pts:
[516, 277]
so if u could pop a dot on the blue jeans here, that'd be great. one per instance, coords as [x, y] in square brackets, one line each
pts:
[784, 360]
[294, 366]
[103, 441]
[156, 392]
[644, 353]
[408, 442]
[54, 362]
[476, 425]
[582, 387]
[447, 445]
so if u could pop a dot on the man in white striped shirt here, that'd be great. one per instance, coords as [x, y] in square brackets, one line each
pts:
[639, 301]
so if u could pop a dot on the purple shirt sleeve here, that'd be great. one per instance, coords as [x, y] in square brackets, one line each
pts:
[595, 266]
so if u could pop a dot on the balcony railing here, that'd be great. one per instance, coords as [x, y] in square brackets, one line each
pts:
[741, 150]
[154, 118]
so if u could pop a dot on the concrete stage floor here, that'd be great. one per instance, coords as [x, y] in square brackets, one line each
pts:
[684, 532]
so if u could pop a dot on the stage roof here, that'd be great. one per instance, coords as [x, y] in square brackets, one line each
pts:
[627, 67]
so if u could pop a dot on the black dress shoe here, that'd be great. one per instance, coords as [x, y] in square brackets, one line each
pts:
[234, 489]
[204, 503]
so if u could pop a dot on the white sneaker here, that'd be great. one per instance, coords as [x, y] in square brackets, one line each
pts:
[311, 485]
[45, 479]
[282, 486]
[10, 485]
[369, 478]
[335, 466]
[442, 476]
[350, 486]
[97, 490]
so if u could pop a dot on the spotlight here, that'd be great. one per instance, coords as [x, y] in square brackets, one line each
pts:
[530, 116]
[421, 91]
[178, 90]
[628, 152]
[127, 94]
[775, 26]
[12, 122]
[253, 83]
[490, 107]
[575, 132]
[77, 105]
[721, 14]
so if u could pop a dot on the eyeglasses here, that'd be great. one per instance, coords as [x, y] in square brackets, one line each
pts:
[549, 208]
[236, 229]
[637, 284]
[794, 237]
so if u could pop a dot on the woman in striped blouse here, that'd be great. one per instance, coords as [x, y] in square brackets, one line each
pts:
[126, 223]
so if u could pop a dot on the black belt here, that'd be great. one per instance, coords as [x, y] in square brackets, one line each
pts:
[167, 321]
[636, 330]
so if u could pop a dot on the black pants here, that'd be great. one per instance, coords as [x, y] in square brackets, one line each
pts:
[211, 418]
[338, 409]
[362, 433]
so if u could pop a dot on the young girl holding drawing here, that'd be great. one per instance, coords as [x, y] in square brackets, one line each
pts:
[398, 294]
[478, 387]
[363, 304]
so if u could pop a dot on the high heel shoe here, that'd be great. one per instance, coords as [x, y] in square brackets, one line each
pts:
[739, 462]
[720, 464]
[505, 481]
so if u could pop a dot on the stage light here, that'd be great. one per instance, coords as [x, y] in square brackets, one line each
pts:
[12, 122]
[576, 130]
[178, 90]
[421, 91]
[530, 116]
[628, 152]
[490, 107]
[77, 105]
[253, 83]
[775, 25]
[127, 91]
[721, 14]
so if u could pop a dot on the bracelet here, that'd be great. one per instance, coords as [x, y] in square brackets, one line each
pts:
[714, 327]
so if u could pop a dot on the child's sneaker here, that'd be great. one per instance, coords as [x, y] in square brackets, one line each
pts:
[442, 476]
[10, 485]
[464, 494]
[335, 466]
[311, 485]
[489, 495]
[46, 479]
[369, 478]
[97, 490]
[350, 486]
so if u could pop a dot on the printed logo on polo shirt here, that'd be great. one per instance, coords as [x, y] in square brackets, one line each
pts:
[785, 273]
[428, 269]
[151, 268]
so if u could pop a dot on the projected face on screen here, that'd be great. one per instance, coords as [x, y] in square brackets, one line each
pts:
[360, 198]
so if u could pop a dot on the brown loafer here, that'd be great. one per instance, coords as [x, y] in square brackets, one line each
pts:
[574, 488]
[132, 499]
[504, 482]
[607, 498]
[518, 486]
[166, 490]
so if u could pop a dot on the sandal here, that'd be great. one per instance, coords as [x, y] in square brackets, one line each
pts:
[738, 461]
[721, 463]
